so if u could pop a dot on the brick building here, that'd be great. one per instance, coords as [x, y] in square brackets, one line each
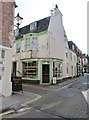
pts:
[6, 35]
[6, 21]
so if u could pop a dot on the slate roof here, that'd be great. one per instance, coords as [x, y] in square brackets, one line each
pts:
[42, 25]
[70, 43]
[76, 49]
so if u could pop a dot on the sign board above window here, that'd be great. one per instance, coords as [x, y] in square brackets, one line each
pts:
[33, 26]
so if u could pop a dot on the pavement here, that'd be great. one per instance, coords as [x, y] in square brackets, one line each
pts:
[16, 101]
[19, 100]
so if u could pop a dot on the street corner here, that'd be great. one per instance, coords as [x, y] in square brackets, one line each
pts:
[25, 99]
[34, 97]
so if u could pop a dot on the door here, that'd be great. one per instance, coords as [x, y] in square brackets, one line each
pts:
[45, 73]
[14, 67]
[71, 71]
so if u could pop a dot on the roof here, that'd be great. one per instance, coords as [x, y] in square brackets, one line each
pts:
[41, 25]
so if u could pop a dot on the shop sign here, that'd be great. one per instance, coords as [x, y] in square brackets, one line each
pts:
[54, 80]
[16, 83]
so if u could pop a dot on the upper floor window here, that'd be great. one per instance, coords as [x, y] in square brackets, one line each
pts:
[72, 47]
[27, 43]
[31, 43]
[71, 56]
[3, 54]
[74, 58]
[66, 52]
[18, 46]
[33, 26]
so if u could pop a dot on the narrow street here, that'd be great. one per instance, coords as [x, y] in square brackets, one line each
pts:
[65, 103]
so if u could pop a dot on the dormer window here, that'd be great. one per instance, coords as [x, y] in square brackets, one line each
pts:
[72, 47]
[33, 26]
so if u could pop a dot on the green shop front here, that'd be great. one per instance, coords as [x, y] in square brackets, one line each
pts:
[41, 71]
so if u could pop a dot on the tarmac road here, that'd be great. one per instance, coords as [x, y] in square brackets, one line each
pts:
[63, 103]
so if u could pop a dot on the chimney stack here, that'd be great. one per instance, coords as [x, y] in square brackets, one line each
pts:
[7, 8]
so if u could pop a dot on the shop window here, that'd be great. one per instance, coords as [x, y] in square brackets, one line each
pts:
[57, 69]
[30, 69]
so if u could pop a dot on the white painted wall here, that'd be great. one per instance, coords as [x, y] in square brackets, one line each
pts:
[56, 37]
[5, 83]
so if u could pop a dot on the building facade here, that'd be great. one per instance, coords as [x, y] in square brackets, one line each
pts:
[6, 31]
[36, 51]
[85, 63]
[41, 52]
[77, 58]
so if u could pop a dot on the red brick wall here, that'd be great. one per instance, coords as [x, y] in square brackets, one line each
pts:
[6, 22]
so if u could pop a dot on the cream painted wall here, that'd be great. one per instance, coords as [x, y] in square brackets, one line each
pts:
[43, 50]
[72, 63]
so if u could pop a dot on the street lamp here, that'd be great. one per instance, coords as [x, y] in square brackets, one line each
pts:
[18, 20]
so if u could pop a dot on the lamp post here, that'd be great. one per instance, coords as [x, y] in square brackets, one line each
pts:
[18, 21]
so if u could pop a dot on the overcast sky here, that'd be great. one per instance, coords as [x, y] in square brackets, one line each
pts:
[74, 16]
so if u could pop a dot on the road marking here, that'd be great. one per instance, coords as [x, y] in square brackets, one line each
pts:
[24, 109]
[7, 112]
[86, 95]
[22, 105]
[28, 102]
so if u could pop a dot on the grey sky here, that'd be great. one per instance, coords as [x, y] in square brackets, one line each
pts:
[74, 16]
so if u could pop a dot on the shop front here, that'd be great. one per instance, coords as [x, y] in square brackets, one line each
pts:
[41, 71]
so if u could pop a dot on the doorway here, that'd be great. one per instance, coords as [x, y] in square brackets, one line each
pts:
[45, 73]
[14, 67]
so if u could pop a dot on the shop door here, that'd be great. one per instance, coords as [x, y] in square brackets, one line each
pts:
[45, 73]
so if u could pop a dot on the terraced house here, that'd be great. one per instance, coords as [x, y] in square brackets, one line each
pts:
[76, 59]
[40, 50]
